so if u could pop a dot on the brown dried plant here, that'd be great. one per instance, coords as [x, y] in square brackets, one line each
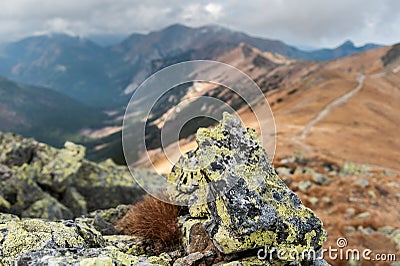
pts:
[152, 219]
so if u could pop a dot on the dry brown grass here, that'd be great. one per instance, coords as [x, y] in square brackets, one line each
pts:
[152, 219]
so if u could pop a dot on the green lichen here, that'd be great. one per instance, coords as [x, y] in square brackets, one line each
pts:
[33, 172]
[230, 183]
[31, 235]
[47, 208]
[162, 259]
[25, 236]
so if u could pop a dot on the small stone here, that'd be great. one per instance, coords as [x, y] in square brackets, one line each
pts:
[304, 185]
[283, 171]
[101, 260]
[313, 200]
[104, 220]
[349, 229]
[353, 262]
[389, 173]
[394, 184]
[396, 238]
[332, 173]
[349, 212]
[372, 194]
[363, 215]
[326, 199]
[190, 260]
[386, 230]
[318, 178]
[366, 231]
[353, 199]
[299, 171]
[362, 183]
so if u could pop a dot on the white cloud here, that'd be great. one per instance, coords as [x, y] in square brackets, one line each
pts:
[306, 22]
[213, 9]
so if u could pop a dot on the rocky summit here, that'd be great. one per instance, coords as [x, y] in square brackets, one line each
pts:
[234, 192]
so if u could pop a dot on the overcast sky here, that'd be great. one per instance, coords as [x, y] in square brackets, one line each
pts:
[312, 23]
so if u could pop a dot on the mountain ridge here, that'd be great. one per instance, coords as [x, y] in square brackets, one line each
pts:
[98, 76]
[43, 113]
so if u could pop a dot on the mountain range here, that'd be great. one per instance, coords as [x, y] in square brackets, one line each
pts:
[43, 113]
[105, 76]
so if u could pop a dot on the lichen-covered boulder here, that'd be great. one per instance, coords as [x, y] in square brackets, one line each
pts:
[19, 237]
[43, 242]
[47, 208]
[37, 180]
[232, 187]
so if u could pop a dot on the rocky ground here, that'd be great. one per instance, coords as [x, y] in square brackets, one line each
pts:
[57, 208]
[355, 202]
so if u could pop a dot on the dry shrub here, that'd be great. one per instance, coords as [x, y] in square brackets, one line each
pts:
[152, 219]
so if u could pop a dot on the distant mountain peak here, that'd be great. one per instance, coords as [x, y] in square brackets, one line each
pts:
[347, 44]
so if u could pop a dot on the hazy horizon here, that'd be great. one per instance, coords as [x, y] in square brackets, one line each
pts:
[309, 24]
[112, 39]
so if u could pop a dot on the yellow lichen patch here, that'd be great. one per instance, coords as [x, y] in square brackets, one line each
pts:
[308, 236]
[248, 205]
[222, 211]
[24, 236]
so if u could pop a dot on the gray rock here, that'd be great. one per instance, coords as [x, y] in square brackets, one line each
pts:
[74, 201]
[193, 259]
[243, 203]
[318, 178]
[284, 171]
[47, 208]
[363, 215]
[34, 176]
[362, 183]
[304, 185]
[104, 220]
[20, 238]
[386, 230]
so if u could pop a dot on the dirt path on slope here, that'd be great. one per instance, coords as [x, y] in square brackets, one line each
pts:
[328, 108]
[324, 112]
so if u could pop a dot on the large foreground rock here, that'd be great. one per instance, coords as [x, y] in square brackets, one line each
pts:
[234, 192]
